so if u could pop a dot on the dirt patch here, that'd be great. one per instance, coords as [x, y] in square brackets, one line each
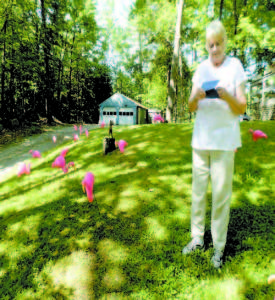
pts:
[18, 150]
[7, 136]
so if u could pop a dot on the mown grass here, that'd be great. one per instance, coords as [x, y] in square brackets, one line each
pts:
[127, 243]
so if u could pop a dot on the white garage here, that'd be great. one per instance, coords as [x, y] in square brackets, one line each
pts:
[126, 116]
[122, 111]
[109, 113]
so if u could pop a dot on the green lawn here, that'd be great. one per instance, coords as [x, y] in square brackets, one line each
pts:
[127, 243]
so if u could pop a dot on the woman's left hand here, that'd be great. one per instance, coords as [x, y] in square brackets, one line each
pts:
[222, 92]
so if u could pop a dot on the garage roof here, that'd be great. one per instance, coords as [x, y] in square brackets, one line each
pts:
[120, 100]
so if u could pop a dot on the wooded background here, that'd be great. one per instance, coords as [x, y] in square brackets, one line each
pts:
[55, 57]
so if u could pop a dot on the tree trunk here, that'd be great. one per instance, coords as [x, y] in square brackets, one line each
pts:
[174, 67]
[78, 90]
[140, 63]
[46, 47]
[235, 22]
[175, 106]
[4, 106]
[11, 84]
[60, 72]
[245, 8]
[243, 44]
[181, 87]
[59, 81]
[36, 102]
[221, 8]
[195, 55]
[70, 79]
[140, 53]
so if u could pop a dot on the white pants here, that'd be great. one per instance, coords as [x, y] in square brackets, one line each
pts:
[220, 166]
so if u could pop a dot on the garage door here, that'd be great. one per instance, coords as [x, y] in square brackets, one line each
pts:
[109, 113]
[126, 116]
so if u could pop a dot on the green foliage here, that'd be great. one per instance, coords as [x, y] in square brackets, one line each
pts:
[156, 96]
[153, 23]
[45, 60]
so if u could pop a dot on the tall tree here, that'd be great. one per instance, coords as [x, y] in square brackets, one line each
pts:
[235, 13]
[221, 8]
[175, 66]
[4, 106]
[47, 49]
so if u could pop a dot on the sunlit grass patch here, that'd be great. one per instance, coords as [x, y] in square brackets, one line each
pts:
[128, 200]
[114, 279]
[73, 272]
[219, 289]
[112, 252]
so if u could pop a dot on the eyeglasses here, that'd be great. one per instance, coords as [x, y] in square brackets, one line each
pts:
[217, 43]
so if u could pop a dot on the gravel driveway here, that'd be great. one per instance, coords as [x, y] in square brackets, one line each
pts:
[12, 155]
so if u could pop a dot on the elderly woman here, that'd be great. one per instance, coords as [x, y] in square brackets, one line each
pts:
[218, 96]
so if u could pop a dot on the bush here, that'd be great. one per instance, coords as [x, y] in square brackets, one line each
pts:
[14, 123]
[35, 129]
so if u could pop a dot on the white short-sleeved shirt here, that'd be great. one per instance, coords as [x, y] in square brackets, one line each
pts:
[216, 127]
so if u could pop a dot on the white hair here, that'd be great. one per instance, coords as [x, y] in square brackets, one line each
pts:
[216, 29]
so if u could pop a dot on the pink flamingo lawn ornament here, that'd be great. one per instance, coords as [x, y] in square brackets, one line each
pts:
[64, 152]
[80, 129]
[102, 125]
[257, 134]
[88, 185]
[35, 153]
[60, 162]
[158, 118]
[24, 169]
[76, 138]
[87, 132]
[75, 127]
[121, 145]
[54, 139]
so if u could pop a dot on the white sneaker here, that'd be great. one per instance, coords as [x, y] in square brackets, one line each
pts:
[194, 245]
[217, 259]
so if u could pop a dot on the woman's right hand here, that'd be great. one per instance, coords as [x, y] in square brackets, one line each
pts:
[199, 94]
[196, 95]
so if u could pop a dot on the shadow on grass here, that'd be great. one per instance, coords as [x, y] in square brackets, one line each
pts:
[138, 233]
